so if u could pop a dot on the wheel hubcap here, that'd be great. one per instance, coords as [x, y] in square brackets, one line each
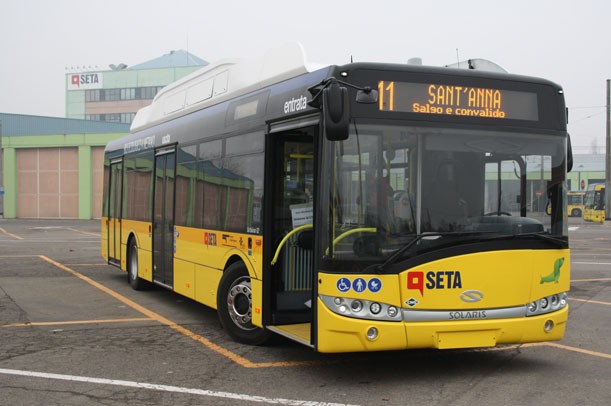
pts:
[239, 303]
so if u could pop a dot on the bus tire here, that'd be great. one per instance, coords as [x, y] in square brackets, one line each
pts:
[234, 306]
[134, 280]
[576, 213]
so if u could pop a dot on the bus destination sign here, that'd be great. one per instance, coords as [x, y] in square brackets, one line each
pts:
[455, 100]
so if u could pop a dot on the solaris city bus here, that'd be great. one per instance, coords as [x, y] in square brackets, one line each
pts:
[361, 207]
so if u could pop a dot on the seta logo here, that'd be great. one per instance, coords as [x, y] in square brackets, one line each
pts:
[434, 280]
[210, 239]
[85, 79]
[294, 105]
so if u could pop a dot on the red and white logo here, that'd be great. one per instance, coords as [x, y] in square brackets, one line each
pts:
[85, 81]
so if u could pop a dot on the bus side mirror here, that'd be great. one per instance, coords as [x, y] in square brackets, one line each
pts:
[336, 112]
[569, 154]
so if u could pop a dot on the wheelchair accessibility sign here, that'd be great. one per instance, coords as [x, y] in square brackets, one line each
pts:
[344, 285]
[359, 285]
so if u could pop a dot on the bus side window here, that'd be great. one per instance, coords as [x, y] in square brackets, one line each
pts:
[209, 180]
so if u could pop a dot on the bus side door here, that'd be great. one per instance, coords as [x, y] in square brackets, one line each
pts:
[293, 184]
[114, 212]
[163, 217]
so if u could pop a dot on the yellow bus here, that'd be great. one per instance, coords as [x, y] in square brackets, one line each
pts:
[594, 206]
[575, 201]
[349, 208]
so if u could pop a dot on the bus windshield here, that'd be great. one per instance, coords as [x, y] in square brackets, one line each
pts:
[394, 184]
[595, 197]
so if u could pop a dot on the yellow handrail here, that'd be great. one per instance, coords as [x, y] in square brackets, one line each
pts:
[350, 232]
[286, 237]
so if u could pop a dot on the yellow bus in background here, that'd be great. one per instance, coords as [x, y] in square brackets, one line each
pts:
[594, 205]
[576, 202]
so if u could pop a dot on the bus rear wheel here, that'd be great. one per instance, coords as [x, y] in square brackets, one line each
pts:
[134, 280]
[234, 304]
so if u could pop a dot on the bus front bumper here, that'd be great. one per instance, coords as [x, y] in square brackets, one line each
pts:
[338, 333]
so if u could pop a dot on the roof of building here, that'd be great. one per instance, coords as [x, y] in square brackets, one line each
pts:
[173, 59]
[23, 125]
[588, 162]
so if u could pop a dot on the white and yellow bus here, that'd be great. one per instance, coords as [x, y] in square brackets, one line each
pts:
[349, 208]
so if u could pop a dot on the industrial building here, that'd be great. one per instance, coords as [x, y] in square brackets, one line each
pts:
[116, 95]
[52, 167]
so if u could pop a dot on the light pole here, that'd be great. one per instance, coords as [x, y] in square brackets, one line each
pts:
[1, 173]
[608, 155]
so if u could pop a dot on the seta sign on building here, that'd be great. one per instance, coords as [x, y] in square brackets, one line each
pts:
[84, 81]
[116, 95]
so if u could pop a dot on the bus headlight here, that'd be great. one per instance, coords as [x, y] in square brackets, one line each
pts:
[356, 306]
[547, 304]
[555, 300]
[375, 308]
[362, 309]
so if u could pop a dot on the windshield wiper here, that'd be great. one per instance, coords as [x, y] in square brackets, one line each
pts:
[378, 268]
[555, 241]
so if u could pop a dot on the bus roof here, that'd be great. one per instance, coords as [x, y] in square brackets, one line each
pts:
[221, 81]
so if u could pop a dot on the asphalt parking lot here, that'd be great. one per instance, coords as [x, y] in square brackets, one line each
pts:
[72, 332]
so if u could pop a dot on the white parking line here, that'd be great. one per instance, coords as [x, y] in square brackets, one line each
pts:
[168, 388]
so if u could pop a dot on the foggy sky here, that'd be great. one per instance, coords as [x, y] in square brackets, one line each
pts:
[563, 41]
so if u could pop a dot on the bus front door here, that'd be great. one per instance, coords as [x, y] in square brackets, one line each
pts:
[293, 236]
[114, 212]
[163, 218]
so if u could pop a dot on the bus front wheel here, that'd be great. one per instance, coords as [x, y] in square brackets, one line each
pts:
[234, 304]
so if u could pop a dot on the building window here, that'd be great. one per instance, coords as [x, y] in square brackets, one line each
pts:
[111, 95]
[128, 94]
[113, 117]
[92, 95]
[147, 93]
[127, 117]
